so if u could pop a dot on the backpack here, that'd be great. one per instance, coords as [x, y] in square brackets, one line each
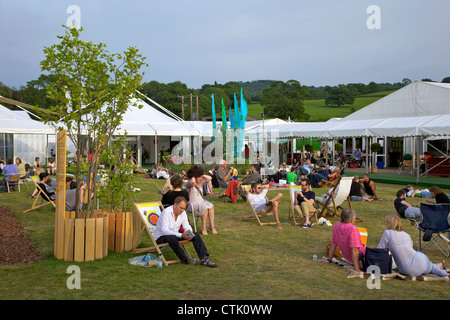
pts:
[379, 257]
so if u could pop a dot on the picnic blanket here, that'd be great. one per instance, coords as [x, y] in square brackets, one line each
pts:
[394, 275]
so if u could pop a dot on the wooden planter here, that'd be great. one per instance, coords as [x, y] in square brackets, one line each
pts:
[123, 230]
[85, 239]
[407, 163]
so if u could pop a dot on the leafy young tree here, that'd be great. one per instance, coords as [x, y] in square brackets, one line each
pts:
[285, 99]
[90, 90]
[118, 177]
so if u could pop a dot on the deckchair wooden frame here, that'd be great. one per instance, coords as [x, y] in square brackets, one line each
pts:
[327, 183]
[333, 210]
[155, 247]
[40, 195]
[292, 214]
[258, 215]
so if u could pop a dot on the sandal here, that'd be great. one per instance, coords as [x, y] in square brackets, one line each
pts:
[213, 230]
[204, 232]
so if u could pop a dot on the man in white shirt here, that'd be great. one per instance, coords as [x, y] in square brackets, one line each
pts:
[257, 199]
[168, 231]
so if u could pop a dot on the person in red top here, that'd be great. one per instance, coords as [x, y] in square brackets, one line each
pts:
[347, 238]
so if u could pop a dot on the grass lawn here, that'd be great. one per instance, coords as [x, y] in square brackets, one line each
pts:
[254, 263]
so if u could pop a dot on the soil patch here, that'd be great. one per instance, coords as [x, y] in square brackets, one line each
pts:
[16, 245]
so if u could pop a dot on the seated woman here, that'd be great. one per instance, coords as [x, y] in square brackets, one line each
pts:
[37, 166]
[409, 262]
[51, 166]
[194, 186]
[438, 195]
[169, 197]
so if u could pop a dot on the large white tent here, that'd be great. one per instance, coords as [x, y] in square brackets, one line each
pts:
[418, 109]
[414, 100]
[20, 122]
[28, 138]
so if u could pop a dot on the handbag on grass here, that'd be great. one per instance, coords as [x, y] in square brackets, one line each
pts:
[379, 257]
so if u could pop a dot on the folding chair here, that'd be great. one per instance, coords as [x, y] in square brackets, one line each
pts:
[24, 178]
[434, 222]
[335, 201]
[333, 181]
[258, 215]
[292, 214]
[195, 215]
[12, 182]
[42, 194]
[149, 213]
[400, 168]
[222, 189]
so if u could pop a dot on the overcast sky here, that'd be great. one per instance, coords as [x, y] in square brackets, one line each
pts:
[323, 42]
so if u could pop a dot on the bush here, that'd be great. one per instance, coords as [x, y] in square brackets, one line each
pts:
[407, 156]
[376, 147]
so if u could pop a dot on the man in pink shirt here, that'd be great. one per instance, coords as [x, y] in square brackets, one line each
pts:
[347, 238]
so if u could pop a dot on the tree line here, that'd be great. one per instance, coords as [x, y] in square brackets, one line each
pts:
[280, 99]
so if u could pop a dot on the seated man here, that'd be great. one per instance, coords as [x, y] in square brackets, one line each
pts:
[168, 231]
[223, 175]
[308, 166]
[257, 198]
[347, 238]
[50, 188]
[404, 209]
[316, 177]
[71, 196]
[291, 177]
[8, 170]
[369, 187]
[304, 202]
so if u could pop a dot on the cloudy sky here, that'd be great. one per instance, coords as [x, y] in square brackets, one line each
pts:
[323, 42]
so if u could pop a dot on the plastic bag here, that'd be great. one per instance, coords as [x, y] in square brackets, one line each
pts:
[143, 261]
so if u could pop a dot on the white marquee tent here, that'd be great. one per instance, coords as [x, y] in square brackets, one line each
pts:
[418, 109]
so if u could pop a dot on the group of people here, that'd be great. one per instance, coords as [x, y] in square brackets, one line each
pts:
[193, 192]
[405, 210]
[347, 238]
[9, 168]
[178, 201]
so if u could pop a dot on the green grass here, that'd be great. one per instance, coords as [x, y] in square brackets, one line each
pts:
[254, 262]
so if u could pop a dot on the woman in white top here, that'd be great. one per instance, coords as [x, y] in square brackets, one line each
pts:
[409, 261]
[194, 186]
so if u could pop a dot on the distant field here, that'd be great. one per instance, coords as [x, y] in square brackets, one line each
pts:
[318, 111]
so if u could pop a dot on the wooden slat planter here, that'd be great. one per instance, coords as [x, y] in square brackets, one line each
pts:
[85, 239]
[123, 230]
